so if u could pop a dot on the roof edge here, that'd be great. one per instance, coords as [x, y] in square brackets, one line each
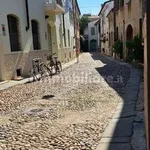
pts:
[78, 7]
[103, 6]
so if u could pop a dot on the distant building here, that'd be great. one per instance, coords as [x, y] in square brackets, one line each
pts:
[76, 14]
[111, 39]
[106, 30]
[91, 34]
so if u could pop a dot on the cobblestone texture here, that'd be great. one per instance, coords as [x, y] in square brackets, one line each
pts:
[66, 112]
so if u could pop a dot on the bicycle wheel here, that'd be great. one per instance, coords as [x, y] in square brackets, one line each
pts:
[34, 73]
[49, 71]
[59, 66]
[43, 70]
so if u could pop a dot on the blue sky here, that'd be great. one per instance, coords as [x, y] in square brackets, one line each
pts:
[90, 6]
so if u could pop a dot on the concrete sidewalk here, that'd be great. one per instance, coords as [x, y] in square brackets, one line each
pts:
[8, 84]
[118, 134]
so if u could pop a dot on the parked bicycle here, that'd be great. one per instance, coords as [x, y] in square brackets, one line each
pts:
[40, 69]
[54, 64]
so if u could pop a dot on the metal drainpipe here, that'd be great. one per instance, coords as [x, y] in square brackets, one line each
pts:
[27, 15]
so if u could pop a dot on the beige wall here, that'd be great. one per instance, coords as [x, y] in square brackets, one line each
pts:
[111, 31]
[68, 54]
[21, 61]
[128, 15]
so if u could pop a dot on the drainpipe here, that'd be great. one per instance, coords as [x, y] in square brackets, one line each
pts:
[2, 62]
[124, 41]
[114, 25]
[115, 38]
[27, 15]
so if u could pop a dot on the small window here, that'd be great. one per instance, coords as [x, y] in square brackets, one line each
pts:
[36, 35]
[13, 27]
[109, 39]
[93, 31]
[117, 33]
[140, 28]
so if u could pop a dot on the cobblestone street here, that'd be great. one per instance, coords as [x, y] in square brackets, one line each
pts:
[68, 112]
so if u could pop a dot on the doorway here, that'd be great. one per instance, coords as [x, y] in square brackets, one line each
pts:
[49, 38]
[93, 45]
[129, 33]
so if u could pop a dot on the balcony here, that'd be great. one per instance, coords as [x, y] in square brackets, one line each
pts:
[54, 7]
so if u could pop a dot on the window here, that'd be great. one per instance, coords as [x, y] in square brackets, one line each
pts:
[109, 39]
[117, 33]
[121, 3]
[140, 27]
[93, 31]
[71, 16]
[64, 30]
[68, 38]
[13, 27]
[35, 34]
[99, 28]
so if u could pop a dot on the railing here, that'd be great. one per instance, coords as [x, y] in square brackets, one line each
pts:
[59, 2]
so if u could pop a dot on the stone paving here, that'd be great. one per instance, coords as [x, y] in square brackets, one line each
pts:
[69, 111]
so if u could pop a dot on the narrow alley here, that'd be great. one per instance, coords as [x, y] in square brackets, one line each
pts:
[68, 112]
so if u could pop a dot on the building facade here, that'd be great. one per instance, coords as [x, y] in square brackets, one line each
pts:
[104, 27]
[30, 30]
[76, 14]
[128, 21]
[111, 39]
[91, 34]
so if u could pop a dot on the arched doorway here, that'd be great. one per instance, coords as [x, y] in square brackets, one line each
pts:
[129, 33]
[93, 45]
[129, 37]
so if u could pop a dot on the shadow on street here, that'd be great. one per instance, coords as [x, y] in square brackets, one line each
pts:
[126, 83]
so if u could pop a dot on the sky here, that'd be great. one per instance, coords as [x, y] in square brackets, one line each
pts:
[90, 6]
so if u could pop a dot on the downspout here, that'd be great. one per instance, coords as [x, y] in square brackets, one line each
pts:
[115, 38]
[124, 35]
[124, 41]
[75, 30]
[27, 15]
[114, 26]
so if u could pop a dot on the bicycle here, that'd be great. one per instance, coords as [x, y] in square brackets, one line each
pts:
[39, 70]
[54, 63]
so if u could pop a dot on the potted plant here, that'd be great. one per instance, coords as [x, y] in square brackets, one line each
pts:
[118, 47]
